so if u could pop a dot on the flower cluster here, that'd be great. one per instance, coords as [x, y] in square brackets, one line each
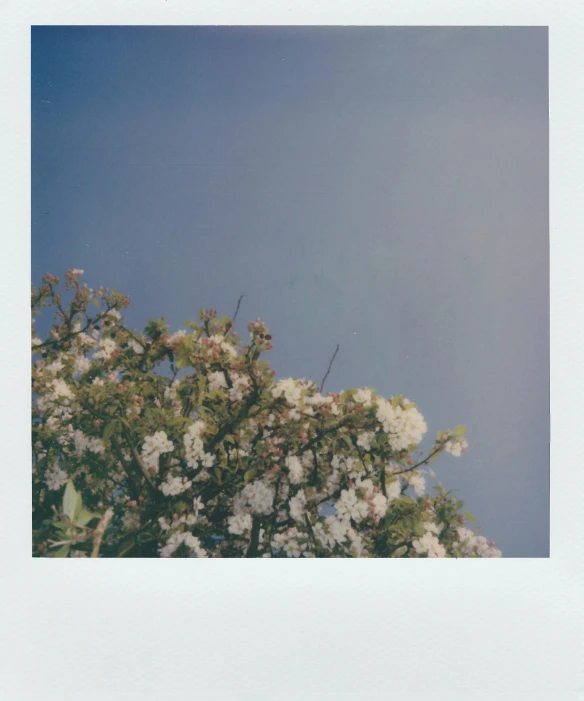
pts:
[194, 448]
[403, 423]
[188, 539]
[154, 446]
[477, 545]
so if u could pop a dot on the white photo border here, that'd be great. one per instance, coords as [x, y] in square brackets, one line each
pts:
[311, 629]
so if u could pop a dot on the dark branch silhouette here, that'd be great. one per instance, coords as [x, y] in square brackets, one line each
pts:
[329, 368]
[235, 315]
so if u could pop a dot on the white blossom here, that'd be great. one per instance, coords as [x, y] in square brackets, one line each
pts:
[172, 486]
[417, 483]
[61, 389]
[198, 505]
[135, 346]
[456, 446]
[288, 388]
[55, 367]
[240, 384]
[81, 364]
[296, 470]
[55, 478]
[290, 542]
[194, 449]
[350, 506]
[176, 336]
[365, 440]
[429, 544]
[404, 426]
[106, 347]
[238, 524]
[153, 447]
[259, 496]
[297, 506]
[191, 541]
[379, 505]
[363, 396]
[217, 381]
[83, 442]
[130, 520]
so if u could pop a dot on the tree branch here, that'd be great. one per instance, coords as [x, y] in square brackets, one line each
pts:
[134, 490]
[255, 537]
[235, 315]
[100, 530]
[422, 462]
[329, 368]
[311, 533]
[138, 459]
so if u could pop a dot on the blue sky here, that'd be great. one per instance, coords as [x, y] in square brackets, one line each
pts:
[381, 188]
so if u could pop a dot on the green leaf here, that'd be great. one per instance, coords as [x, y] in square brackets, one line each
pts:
[249, 475]
[85, 517]
[347, 441]
[419, 529]
[110, 429]
[62, 552]
[400, 551]
[396, 400]
[60, 524]
[72, 501]
[96, 302]
[459, 431]
[469, 517]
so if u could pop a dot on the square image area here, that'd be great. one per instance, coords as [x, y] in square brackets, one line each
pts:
[290, 292]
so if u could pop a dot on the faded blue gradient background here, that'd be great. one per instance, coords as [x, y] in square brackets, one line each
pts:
[381, 188]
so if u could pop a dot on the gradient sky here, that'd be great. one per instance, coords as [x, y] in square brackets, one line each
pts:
[381, 188]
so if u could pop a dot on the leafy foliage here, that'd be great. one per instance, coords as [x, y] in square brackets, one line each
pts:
[192, 446]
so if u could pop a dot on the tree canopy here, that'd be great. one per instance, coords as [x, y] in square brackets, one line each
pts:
[152, 444]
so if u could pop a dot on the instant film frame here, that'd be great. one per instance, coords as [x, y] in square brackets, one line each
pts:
[364, 629]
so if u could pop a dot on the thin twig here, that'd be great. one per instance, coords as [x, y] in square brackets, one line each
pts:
[100, 530]
[235, 315]
[422, 462]
[311, 533]
[329, 369]
[71, 334]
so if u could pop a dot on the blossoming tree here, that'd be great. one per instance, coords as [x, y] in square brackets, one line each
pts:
[150, 444]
